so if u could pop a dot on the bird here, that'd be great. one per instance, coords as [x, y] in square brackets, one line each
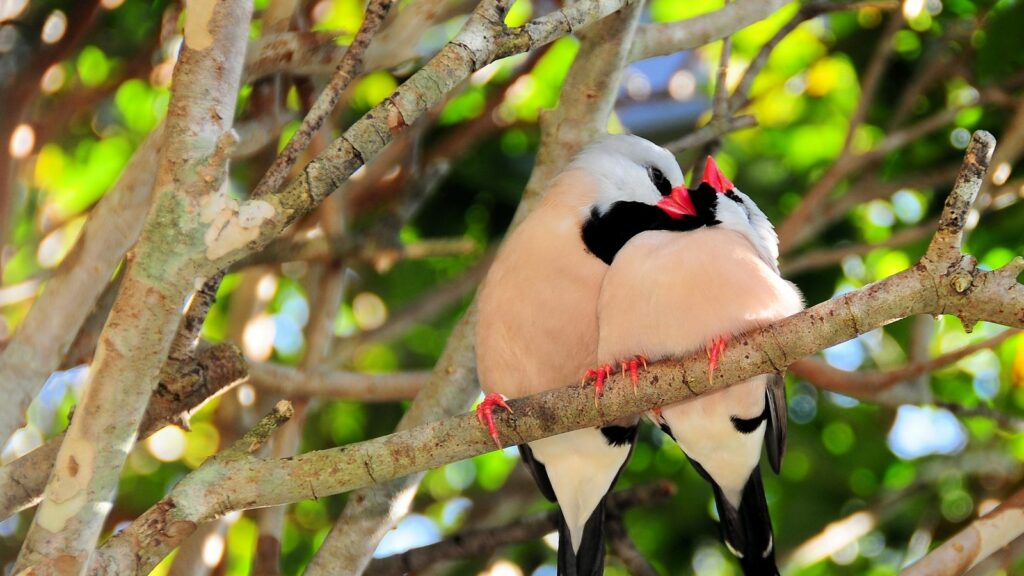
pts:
[537, 328]
[672, 292]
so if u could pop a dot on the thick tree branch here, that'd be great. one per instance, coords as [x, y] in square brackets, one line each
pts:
[932, 287]
[46, 333]
[160, 273]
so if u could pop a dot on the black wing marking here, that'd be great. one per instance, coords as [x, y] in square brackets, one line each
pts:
[538, 471]
[775, 435]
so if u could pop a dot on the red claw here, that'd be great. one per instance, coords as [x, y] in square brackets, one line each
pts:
[485, 414]
[714, 350]
[599, 375]
[633, 365]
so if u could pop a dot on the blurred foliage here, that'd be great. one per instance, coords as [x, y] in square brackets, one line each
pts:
[918, 473]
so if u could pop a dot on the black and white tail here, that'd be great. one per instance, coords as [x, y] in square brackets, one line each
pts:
[747, 531]
[589, 559]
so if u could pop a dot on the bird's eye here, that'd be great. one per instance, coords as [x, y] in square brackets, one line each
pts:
[660, 181]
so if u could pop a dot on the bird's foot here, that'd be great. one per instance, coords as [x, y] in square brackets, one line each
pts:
[599, 374]
[485, 414]
[714, 350]
[633, 365]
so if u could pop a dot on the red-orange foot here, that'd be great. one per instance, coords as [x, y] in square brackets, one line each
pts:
[599, 374]
[485, 414]
[633, 365]
[714, 350]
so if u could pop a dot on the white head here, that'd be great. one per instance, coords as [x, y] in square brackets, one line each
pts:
[719, 202]
[628, 168]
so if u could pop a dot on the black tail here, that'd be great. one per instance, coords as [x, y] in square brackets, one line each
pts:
[748, 531]
[589, 559]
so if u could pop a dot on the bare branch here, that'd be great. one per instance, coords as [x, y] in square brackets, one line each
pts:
[976, 542]
[830, 256]
[337, 385]
[660, 39]
[350, 66]
[869, 385]
[709, 132]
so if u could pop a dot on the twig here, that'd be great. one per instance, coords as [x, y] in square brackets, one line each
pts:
[349, 68]
[1007, 422]
[829, 256]
[345, 248]
[709, 132]
[868, 385]
[873, 77]
[425, 307]
[622, 545]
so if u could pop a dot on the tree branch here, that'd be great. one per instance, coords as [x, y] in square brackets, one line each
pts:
[160, 273]
[46, 333]
[870, 385]
[931, 286]
[349, 68]
[974, 543]
[213, 371]
[290, 382]
[826, 257]
[661, 39]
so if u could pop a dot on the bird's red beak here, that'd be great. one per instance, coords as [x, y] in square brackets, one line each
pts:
[714, 177]
[678, 203]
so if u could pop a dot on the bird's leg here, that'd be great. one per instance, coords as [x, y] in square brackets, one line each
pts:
[714, 350]
[599, 375]
[485, 414]
[633, 365]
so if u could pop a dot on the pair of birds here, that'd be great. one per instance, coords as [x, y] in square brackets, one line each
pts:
[619, 264]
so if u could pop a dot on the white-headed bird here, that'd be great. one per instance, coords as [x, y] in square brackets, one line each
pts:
[538, 327]
[673, 292]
